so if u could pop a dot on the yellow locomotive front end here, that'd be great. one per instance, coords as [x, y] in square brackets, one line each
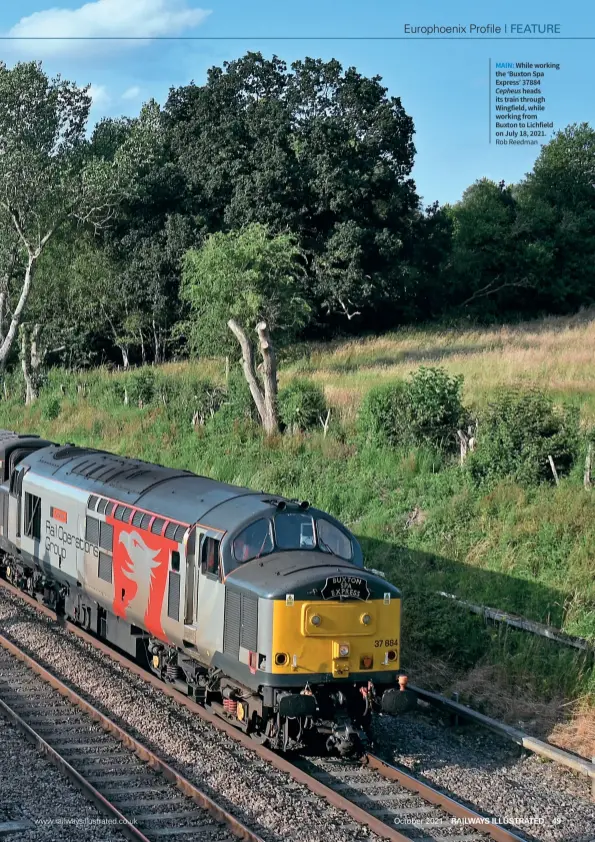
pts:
[324, 639]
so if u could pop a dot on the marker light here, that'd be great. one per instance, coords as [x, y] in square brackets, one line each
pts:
[315, 620]
[343, 650]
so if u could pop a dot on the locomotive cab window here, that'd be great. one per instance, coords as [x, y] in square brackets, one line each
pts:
[209, 556]
[332, 540]
[294, 531]
[254, 541]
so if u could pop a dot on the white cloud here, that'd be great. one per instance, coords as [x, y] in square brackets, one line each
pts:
[99, 95]
[144, 19]
[131, 93]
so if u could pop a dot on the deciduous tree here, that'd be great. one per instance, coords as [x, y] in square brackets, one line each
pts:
[246, 281]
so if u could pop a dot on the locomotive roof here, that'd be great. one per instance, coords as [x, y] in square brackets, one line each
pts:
[170, 492]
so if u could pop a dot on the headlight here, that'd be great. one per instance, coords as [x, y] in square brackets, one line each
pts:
[366, 619]
[343, 650]
[315, 620]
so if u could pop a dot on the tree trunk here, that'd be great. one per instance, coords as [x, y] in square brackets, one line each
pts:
[16, 316]
[31, 362]
[3, 295]
[125, 357]
[265, 401]
[269, 376]
[143, 353]
[157, 343]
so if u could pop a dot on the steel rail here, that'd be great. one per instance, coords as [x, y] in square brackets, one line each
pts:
[106, 807]
[135, 746]
[450, 806]
[434, 796]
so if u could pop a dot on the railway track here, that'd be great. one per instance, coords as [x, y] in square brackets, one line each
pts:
[143, 796]
[392, 803]
[409, 807]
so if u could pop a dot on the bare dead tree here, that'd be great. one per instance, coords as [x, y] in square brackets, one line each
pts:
[265, 398]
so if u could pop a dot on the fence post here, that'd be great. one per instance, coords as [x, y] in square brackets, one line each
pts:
[554, 471]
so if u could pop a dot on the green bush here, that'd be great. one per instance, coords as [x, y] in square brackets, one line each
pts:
[301, 404]
[425, 410]
[50, 407]
[141, 387]
[380, 412]
[517, 433]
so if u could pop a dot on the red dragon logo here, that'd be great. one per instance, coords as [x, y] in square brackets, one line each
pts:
[140, 576]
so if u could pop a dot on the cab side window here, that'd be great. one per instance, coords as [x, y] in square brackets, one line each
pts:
[209, 558]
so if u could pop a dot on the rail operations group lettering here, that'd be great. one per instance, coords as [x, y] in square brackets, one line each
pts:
[59, 534]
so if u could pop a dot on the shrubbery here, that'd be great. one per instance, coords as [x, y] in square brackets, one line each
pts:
[301, 405]
[190, 398]
[518, 432]
[426, 409]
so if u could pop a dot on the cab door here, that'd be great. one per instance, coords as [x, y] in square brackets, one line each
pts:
[191, 592]
[210, 605]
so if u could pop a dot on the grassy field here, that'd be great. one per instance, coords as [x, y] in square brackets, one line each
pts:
[418, 516]
[557, 354]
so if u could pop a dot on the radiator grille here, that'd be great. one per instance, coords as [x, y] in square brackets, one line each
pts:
[105, 567]
[145, 521]
[231, 626]
[241, 623]
[92, 530]
[137, 518]
[106, 536]
[170, 530]
[157, 525]
[249, 616]
[173, 598]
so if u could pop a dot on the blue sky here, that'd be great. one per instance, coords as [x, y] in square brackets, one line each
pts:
[443, 84]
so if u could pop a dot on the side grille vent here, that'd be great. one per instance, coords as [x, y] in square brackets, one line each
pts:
[231, 626]
[173, 598]
[241, 623]
[105, 567]
[92, 530]
[249, 615]
[106, 537]
[170, 530]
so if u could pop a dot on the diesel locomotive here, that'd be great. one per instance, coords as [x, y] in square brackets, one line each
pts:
[258, 606]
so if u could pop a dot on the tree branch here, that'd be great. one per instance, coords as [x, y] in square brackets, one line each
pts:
[489, 289]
